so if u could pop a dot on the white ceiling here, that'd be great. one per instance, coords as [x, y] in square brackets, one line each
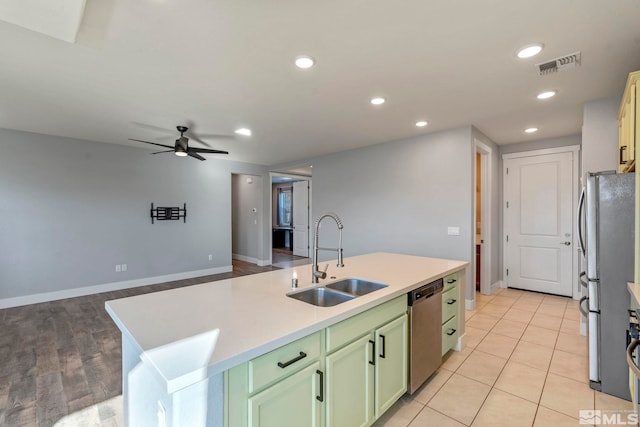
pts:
[226, 64]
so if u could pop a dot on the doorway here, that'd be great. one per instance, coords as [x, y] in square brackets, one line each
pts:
[483, 214]
[246, 218]
[290, 219]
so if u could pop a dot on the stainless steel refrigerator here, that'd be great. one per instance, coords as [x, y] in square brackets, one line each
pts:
[607, 241]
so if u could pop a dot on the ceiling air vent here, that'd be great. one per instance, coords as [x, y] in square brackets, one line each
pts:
[559, 64]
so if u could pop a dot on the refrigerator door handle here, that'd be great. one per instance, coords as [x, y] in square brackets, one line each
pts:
[583, 282]
[579, 220]
[584, 312]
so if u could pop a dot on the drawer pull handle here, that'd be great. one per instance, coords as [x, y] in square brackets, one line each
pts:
[321, 396]
[450, 281]
[382, 354]
[451, 301]
[292, 361]
[373, 353]
[451, 332]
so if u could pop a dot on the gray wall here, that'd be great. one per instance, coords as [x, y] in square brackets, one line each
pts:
[539, 144]
[246, 224]
[600, 135]
[400, 197]
[71, 210]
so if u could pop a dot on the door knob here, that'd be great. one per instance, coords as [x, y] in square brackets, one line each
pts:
[567, 243]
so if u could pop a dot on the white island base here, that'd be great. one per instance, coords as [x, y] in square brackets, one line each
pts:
[150, 400]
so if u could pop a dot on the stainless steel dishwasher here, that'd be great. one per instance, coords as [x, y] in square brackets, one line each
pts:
[425, 332]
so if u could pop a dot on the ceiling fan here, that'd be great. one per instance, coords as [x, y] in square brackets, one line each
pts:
[181, 147]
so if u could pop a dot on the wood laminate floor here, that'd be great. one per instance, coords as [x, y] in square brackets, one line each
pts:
[285, 258]
[60, 361]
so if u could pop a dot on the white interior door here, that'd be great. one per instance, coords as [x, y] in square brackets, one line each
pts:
[539, 223]
[301, 218]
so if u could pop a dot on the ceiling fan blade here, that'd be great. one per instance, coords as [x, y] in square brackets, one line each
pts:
[153, 143]
[216, 136]
[207, 150]
[195, 138]
[168, 151]
[195, 155]
[152, 127]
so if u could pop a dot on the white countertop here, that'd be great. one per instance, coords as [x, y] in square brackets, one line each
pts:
[254, 314]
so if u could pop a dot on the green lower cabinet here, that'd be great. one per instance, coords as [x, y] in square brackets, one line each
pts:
[347, 375]
[350, 385]
[367, 377]
[293, 402]
[391, 364]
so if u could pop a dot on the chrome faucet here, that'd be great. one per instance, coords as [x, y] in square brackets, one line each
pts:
[316, 273]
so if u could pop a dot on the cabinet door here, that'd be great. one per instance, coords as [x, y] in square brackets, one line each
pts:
[631, 112]
[391, 364]
[350, 385]
[293, 402]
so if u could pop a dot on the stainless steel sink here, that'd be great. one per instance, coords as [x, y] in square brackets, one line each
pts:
[355, 287]
[321, 297]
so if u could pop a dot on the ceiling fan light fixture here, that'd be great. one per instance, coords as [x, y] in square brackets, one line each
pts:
[243, 131]
[530, 50]
[304, 62]
[181, 153]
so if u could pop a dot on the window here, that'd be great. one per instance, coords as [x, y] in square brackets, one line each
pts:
[284, 206]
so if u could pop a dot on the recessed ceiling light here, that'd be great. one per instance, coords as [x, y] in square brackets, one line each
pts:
[304, 62]
[530, 50]
[378, 100]
[243, 131]
[421, 123]
[531, 130]
[547, 94]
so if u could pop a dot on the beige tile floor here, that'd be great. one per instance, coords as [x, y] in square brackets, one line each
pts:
[524, 364]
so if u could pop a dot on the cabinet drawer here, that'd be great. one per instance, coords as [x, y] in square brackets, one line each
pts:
[451, 280]
[348, 330]
[283, 361]
[449, 304]
[449, 334]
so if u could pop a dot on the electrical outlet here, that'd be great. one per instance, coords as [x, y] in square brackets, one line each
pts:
[210, 257]
[453, 231]
[124, 267]
[118, 268]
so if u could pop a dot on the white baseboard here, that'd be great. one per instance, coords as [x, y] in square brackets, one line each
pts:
[469, 304]
[107, 287]
[500, 284]
[258, 262]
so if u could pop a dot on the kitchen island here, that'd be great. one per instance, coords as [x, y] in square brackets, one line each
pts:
[178, 344]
